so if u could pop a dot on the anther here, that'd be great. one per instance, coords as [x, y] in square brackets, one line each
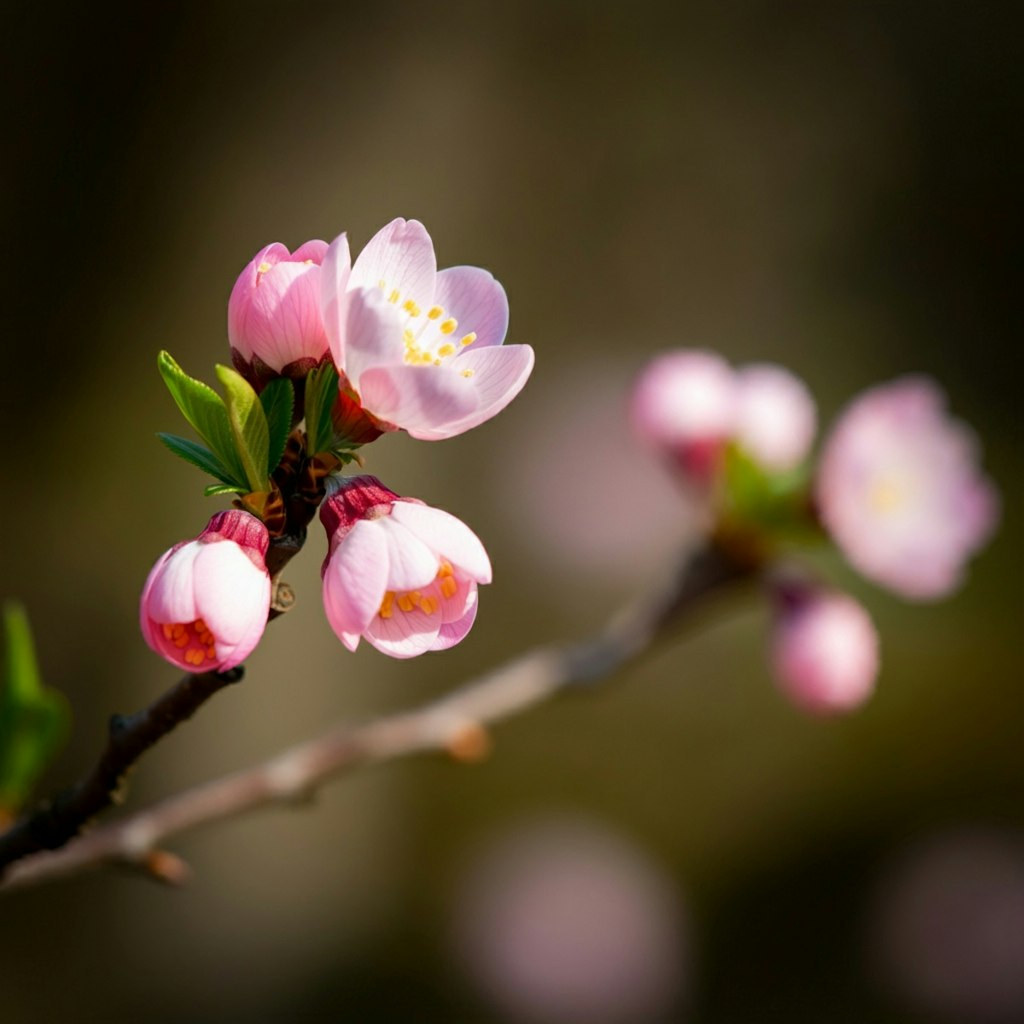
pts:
[449, 325]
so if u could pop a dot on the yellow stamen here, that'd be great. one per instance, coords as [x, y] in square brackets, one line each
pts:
[468, 373]
[394, 296]
[434, 312]
[445, 569]
[263, 267]
[449, 586]
[449, 325]
[168, 630]
[406, 603]
[429, 605]
[181, 641]
[446, 350]
[211, 652]
[411, 308]
[469, 338]
[385, 605]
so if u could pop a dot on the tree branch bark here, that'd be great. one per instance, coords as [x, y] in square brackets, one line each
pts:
[454, 723]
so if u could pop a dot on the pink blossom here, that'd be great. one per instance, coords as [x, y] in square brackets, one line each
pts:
[684, 405]
[900, 490]
[824, 650]
[399, 573]
[274, 321]
[775, 416]
[204, 606]
[420, 348]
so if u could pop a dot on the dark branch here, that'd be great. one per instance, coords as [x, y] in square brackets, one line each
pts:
[61, 818]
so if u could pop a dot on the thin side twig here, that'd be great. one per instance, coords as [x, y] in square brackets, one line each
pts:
[455, 723]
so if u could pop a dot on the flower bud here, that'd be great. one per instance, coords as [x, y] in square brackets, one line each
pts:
[824, 649]
[204, 606]
[775, 416]
[400, 574]
[684, 406]
[274, 320]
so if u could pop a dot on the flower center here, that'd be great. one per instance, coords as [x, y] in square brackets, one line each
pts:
[430, 335]
[427, 600]
[887, 496]
[194, 639]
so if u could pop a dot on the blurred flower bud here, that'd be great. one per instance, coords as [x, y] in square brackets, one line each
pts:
[399, 573]
[824, 649]
[684, 405]
[900, 490]
[204, 606]
[775, 416]
[274, 321]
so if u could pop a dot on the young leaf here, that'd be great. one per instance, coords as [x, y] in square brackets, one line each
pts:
[216, 489]
[33, 720]
[321, 388]
[278, 400]
[205, 410]
[201, 457]
[248, 424]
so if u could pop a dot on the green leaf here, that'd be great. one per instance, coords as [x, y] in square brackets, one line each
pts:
[205, 410]
[199, 456]
[248, 424]
[278, 401]
[216, 489]
[321, 387]
[33, 720]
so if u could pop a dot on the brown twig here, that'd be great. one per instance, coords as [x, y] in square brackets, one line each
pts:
[454, 723]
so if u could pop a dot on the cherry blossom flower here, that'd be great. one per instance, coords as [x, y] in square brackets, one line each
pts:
[274, 321]
[421, 349]
[775, 416]
[684, 405]
[399, 573]
[204, 606]
[900, 490]
[824, 649]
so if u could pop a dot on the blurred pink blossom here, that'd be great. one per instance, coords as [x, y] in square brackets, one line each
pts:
[564, 922]
[946, 926]
[824, 649]
[900, 490]
[420, 348]
[684, 405]
[399, 573]
[274, 322]
[775, 416]
[204, 606]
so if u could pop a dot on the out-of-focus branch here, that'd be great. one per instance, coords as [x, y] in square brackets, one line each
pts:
[454, 723]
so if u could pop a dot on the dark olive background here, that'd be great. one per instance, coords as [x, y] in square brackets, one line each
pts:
[828, 185]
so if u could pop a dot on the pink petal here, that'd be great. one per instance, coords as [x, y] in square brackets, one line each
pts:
[419, 399]
[499, 374]
[232, 595]
[405, 634]
[282, 322]
[315, 249]
[411, 563]
[452, 632]
[169, 594]
[355, 580]
[373, 334]
[476, 300]
[449, 537]
[334, 276]
[401, 255]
